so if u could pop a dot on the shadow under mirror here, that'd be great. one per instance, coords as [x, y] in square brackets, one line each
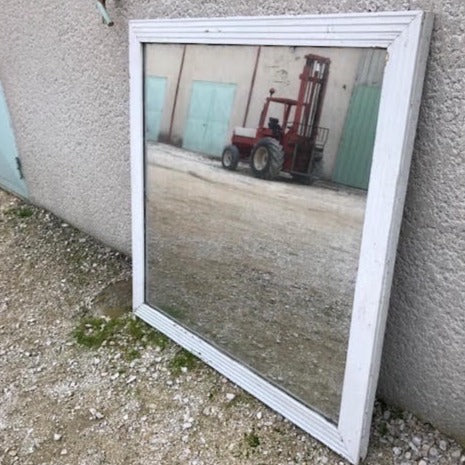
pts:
[257, 166]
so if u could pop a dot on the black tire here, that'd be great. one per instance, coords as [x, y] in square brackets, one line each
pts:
[230, 157]
[267, 158]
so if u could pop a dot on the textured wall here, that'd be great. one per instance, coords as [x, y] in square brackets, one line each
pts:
[66, 78]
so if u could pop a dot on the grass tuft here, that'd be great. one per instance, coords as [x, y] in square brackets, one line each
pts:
[92, 332]
[126, 333]
[146, 335]
[183, 359]
[252, 440]
[20, 212]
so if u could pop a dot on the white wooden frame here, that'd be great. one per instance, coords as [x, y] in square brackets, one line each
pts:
[406, 36]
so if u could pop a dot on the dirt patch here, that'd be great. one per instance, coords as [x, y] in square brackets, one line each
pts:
[264, 270]
[115, 300]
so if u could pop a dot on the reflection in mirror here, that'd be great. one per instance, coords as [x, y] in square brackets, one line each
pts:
[257, 166]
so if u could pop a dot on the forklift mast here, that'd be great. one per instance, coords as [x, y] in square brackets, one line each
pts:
[313, 81]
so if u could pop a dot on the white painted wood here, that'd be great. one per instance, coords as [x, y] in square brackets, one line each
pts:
[406, 37]
[398, 114]
[354, 30]
[274, 397]
[136, 116]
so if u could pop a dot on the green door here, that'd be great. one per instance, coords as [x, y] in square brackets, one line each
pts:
[353, 161]
[208, 118]
[155, 87]
[10, 175]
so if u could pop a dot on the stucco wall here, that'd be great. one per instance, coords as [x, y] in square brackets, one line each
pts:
[66, 79]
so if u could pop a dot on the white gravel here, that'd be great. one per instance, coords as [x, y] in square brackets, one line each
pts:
[62, 403]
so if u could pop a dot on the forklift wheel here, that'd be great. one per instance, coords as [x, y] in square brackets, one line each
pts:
[230, 157]
[267, 158]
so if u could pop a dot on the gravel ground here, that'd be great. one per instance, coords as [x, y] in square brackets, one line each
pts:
[78, 389]
[264, 270]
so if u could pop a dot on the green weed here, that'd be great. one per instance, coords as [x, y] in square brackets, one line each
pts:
[92, 332]
[126, 333]
[132, 354]
[20, 212]
[252, 440]
[141, 332]
[183, 359]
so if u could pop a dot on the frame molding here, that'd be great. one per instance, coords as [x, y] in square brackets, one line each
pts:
[406, 37]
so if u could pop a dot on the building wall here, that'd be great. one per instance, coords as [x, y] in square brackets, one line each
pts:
[65, 76]
[277, 67]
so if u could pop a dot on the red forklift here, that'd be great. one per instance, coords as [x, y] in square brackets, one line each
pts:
[293, 145]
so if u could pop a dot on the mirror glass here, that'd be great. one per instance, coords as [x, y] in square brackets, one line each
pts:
[257, 161]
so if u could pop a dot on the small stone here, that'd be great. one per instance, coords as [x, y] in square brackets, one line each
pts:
[413, 446]
[456, 454]
[187, 425]
[387, 414]
[433, 452]
[424, 450]
[397, 451]
[417, 441]
[95, 414]
[443, 444]
[408, 455]
[422, 462]
[230, 396]
[63, 452]
[57, 437]
[259, 415]
[131, 379]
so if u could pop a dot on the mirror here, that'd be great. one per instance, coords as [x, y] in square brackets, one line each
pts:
[257, 161]
[269, 161]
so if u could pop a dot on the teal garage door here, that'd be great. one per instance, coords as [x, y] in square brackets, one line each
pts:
[10, 176]
[353, 162]
[208, 118]
[355, 153]
[155, 87]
